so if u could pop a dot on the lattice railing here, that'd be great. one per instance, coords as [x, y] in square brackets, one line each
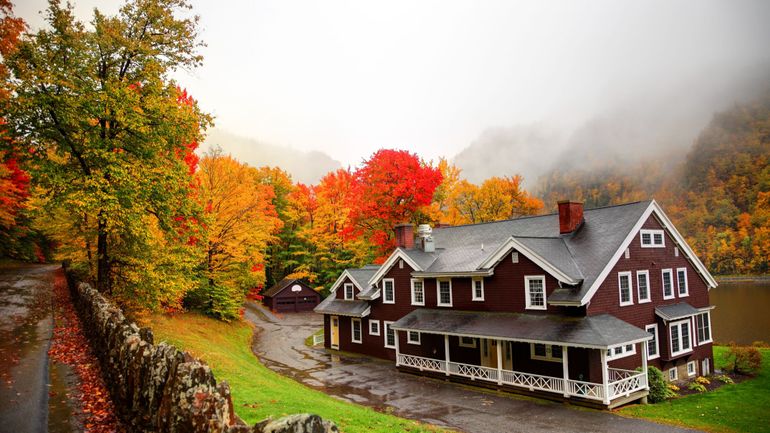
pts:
[628, 385]
[533, 381]
[421, 363]
[473, 371]
[616, 374]
[586, 389]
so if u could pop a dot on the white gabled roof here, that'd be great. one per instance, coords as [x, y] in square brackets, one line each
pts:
[394, 257]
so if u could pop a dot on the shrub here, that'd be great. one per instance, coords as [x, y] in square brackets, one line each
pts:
[673, 388]
[702, 380]
[695, 386]
[760, 344]
[659, 390]
[724, 379]
[743, 359]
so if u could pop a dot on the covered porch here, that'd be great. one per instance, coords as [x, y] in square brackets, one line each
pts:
[552, 356]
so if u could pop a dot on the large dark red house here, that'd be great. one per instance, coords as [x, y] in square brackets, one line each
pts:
[567, 305]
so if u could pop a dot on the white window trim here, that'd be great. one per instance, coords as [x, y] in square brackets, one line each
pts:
[350, 286]
[360, 330]
[438, 292]
[371, 322]
[657, 341]
[639, 299]
[385, 326]
[412, 281]
[471, 345]
[625, 352]
[686, 283]
[630, 289]
[652, 234]
[675, 375]
[682, 350]
[384, 292]
[409, 337]
[473, 289]
[694, 369]
[670, 272]
[708, 317]
[528, 298]
[548, 353]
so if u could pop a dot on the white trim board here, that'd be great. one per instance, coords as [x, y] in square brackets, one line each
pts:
[341, 278]
[669, 227]
[392, 260]
[513, 244]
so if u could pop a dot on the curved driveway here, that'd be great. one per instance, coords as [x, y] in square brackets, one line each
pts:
[279, 344]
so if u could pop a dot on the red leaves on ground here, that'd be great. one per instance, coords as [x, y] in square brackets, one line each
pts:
[69, 346]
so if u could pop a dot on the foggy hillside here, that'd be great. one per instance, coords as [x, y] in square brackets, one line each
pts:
[305, 167]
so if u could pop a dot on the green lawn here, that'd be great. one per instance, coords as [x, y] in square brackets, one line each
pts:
[259, 392]
[743, 407]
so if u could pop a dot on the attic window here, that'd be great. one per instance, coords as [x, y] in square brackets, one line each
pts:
[348, 291]
[652, 238]
[401, 264]
[628, 253]
[515, 257]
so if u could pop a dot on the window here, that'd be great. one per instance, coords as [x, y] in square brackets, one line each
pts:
[468, 342]
[705, 367]
[478, 289]
[545, 352]
[676, 251]
[703, 322]
[535, 292]
[390, 335]
[444, 294]
[621, 351]
[691, 368]
[515, 257]
[668, 289]
[413, 337]
[348, 291]
[418, 292]
[628, 253]
[643, 286]
[624, 285]
[355, 333]
[401, 264]
[652, 238]
[680, 337]
[672, 375]
[374, 327]
[388, 291]
[681, 280]
[652, 345]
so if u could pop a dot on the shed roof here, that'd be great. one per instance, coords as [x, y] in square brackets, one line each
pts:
[676, 311]
[602, 331]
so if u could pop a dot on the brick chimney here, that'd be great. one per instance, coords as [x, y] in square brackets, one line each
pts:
[570, 216]
[404, 235]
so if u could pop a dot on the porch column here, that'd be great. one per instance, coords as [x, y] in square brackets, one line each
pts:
[644, 364]
[565, 369]
[395, 334]
[499, 362]
[605, 373]
[446, 353]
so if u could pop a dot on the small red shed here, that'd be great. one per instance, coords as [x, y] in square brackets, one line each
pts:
[291, 296]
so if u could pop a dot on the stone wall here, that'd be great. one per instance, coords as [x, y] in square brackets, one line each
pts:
[156, 387]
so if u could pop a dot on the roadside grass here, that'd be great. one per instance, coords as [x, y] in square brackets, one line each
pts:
[741, 407]
[257, 391]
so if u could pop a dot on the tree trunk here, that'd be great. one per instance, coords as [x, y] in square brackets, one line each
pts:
[103, 260]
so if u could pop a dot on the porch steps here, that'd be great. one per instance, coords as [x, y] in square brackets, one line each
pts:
[584, 402]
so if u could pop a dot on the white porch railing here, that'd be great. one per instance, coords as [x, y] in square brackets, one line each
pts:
[318, 339]
[622, 382]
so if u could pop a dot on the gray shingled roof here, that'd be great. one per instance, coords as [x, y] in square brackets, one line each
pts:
[332, 305]
[676, 311]
[602, 331]
[581, 255]
[363, 275]
[279, 286]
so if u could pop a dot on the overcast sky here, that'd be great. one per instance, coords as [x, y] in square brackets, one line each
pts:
[349, 77]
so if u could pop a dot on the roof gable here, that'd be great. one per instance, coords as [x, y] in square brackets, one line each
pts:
[399, 253]
[283, 285]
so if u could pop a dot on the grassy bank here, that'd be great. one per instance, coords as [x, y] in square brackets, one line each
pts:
[742, 407]
[257, 391]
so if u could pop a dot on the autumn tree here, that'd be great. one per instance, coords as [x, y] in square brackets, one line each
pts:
[390, 187]
[240, 221]
[497, 198]
[111, 133]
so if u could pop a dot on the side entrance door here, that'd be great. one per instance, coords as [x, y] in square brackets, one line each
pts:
[489, 353]
[335, 330]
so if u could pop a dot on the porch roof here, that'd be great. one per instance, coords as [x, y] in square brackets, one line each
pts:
[332, 305]
[599, 332]
[676, 311]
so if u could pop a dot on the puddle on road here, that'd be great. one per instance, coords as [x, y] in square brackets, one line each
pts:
[61, 410]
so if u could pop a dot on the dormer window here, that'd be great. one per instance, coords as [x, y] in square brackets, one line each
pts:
[652, 238]
[348, 291]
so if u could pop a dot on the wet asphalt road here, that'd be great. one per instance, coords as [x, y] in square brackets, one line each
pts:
[372, 382]
[26, 324]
